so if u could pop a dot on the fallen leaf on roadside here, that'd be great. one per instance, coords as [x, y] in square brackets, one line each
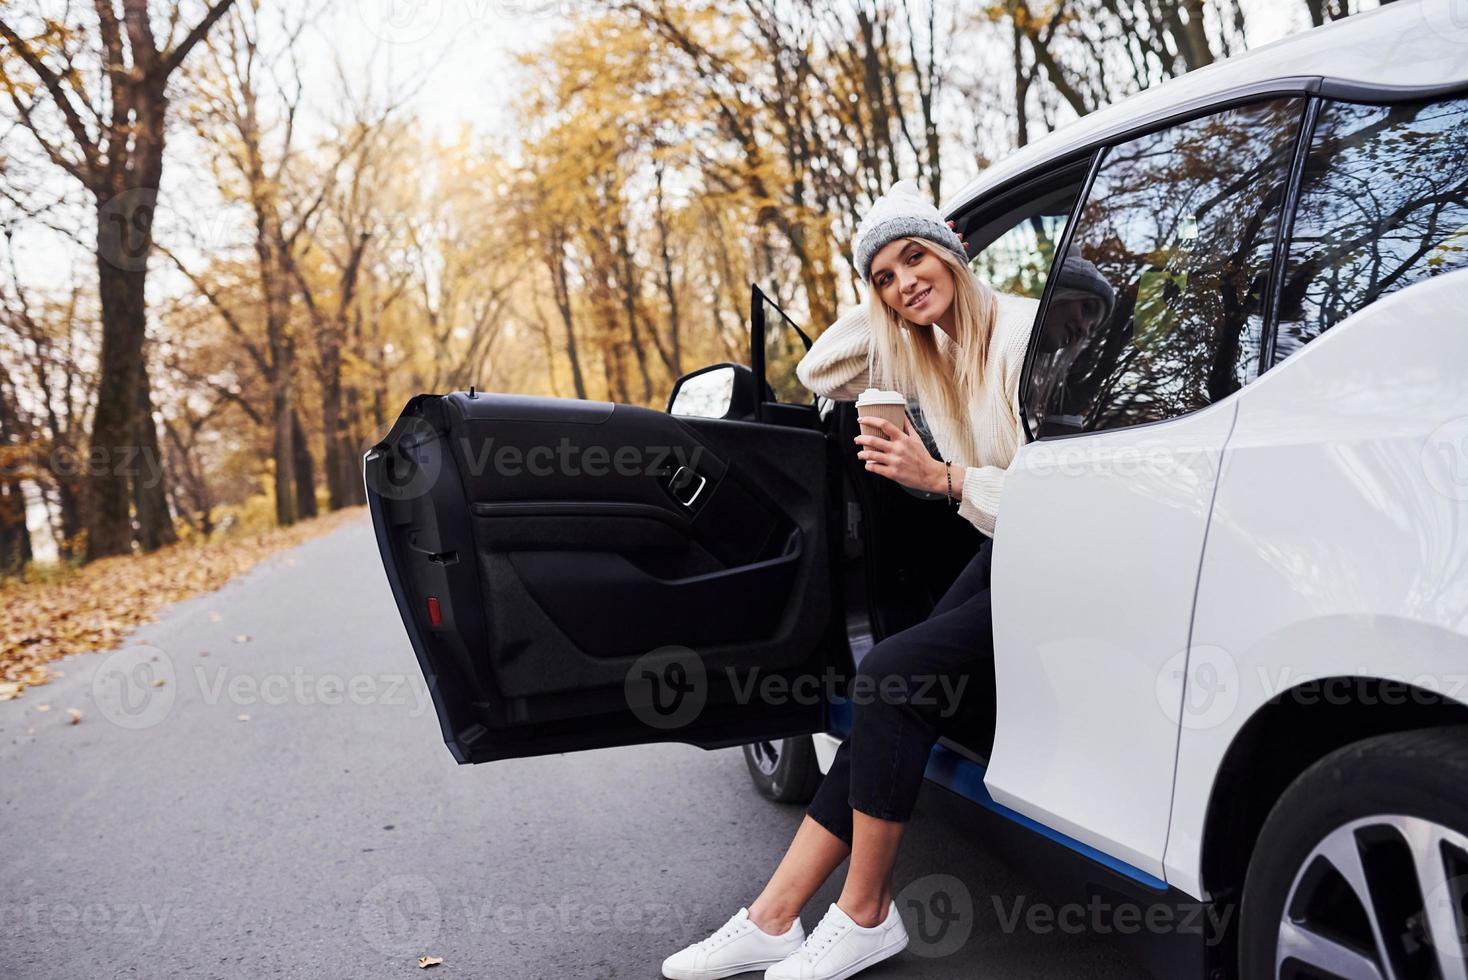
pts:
[242, 717]
[74, 715]
[159, 682]
[43, 707]
[424, 962]
[242, 638]
[10, 690]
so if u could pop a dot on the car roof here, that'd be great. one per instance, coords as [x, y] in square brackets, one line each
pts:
[1396, 49]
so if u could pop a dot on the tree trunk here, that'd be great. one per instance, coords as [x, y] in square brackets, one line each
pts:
[670, 290]
[15, 537]
[282, 454]
[304, 470]
[70, 497]
[150, 496]
[629, 309]
[114, 425]
[343, 485]
[557, 263]
[1192, 37]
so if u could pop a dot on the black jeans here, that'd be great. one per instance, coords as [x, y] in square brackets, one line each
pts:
[931, 679]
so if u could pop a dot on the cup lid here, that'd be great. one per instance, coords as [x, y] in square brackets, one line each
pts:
[881, 396]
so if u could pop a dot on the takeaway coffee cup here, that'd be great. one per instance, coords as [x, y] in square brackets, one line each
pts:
[890, 405]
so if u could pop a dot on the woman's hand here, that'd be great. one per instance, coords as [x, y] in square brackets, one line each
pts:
[962, 240]
[900, 455]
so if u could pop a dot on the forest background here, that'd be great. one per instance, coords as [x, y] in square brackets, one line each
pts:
[236, 236]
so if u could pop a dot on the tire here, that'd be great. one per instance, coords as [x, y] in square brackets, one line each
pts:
[786, 770]
[1393, 812]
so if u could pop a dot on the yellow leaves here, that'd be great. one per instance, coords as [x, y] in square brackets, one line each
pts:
[95, 606]
[23, 676]
[424, 962]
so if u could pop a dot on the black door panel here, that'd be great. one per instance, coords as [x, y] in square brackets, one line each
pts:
[589, 592]
[539, 547]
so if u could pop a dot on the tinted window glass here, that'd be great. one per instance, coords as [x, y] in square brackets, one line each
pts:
[1016, 249]
[1383, 204]
[1157, 309]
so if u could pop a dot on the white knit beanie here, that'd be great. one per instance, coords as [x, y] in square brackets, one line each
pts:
[902, 212]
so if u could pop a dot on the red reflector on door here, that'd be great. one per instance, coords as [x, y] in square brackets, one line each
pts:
[435, 614]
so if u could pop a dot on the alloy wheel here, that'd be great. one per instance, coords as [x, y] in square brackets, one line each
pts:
[1379, 898]
[765, 756]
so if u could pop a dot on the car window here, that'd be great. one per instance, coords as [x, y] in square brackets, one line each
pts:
[1158, 304]
[1383, 203]
[1013, 250]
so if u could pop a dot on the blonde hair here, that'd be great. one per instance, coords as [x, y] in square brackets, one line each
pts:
[906, 354]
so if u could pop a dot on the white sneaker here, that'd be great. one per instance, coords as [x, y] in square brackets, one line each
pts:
[738, 947]
[839, 947]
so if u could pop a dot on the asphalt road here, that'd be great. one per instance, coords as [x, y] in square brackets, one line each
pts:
[282, 805]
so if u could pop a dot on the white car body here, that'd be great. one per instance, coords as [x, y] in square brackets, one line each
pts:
[1155, 587]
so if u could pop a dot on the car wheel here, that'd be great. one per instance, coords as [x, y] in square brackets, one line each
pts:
[1361, 869]
[786, 770]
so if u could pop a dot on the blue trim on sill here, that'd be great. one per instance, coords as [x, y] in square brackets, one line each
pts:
[966, 778]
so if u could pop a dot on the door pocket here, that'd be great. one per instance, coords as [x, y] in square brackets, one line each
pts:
[588, 592]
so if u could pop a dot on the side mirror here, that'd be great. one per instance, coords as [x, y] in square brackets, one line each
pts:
[719, 391]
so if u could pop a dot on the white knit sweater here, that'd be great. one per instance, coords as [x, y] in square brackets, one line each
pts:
[837, 366]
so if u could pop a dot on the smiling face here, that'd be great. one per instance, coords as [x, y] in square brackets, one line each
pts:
[912, 280]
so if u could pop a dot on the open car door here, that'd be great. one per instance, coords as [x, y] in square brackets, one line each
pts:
[578, 574]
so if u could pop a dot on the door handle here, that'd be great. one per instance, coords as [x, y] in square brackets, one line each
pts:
[686, 485]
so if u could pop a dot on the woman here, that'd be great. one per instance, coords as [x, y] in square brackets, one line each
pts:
[930, 328]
